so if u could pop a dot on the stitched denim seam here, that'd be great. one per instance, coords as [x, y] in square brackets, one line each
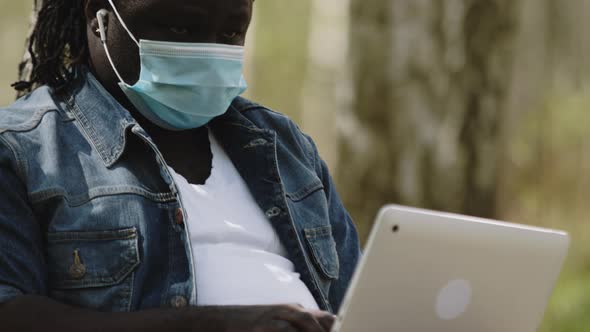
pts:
[106, 235]
[118, 276]
[256, 143]
[132, 251]
[312, 233]
[98, 192]
[306, 191]
[30, 123]
[251, 128]
[307, 146]
[168, 279]
[322, 263]
[78, 239]
[132, 291]
[104, 281]
[320, 260]
[323, 233]
[87, 129]
[73, 237]
[118, 151]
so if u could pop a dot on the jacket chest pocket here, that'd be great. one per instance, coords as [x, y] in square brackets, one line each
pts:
[309, 208]
[323, 251]
[93, 269]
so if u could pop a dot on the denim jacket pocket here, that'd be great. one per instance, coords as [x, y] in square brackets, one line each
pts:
[93, 268]
[323, 250]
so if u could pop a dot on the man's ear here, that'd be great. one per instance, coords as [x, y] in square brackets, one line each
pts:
[92, 7]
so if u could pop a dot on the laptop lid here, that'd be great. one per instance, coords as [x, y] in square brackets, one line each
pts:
[431, 271]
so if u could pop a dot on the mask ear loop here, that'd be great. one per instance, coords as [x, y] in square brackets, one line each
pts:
[123, 22]
[100, 16]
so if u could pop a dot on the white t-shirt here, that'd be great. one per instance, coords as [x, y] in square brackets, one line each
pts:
[238, 256]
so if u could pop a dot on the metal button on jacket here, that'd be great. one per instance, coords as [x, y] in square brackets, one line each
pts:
[178, 302]
[273, 212]
[77, 269]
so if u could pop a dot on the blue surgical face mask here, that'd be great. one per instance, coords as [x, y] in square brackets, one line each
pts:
[182, 85]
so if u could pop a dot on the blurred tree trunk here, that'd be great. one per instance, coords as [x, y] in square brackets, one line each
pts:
[431, 82]
[327, 74]
[25, 66]
[276, 68]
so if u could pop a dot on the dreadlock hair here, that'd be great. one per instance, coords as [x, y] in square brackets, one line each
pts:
[56, 46]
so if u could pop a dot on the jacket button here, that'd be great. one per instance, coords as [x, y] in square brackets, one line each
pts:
[178, 216]
[77, 269]
[178, 302]
[273, 212]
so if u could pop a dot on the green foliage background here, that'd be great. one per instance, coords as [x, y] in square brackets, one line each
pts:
[551, 188]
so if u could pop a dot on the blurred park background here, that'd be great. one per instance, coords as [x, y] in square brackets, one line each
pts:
[473, 106]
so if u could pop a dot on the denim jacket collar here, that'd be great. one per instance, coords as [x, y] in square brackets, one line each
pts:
[102, 119]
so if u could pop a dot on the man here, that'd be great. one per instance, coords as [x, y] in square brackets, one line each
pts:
[153, 204]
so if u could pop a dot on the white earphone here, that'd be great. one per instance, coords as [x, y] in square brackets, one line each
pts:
[100, 15]
[102, 29]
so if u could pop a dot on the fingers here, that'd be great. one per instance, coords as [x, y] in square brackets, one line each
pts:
[281, 318]
[326, 319]
[306, 321]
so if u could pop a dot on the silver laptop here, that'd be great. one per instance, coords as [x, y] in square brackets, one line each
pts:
[428, 271]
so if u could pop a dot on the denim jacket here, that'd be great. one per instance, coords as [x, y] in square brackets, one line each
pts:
[91, 217]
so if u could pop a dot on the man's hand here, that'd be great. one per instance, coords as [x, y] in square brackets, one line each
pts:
[52, 315]
[282, 318]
